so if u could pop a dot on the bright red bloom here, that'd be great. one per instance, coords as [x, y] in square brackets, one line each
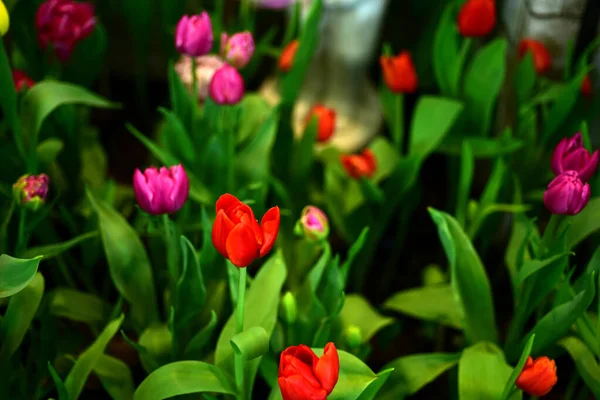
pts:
[399, 73]
[586, 86]
[359, 165]
[304, 376]
[477, 18]
[237, 235]
[21, 80]
[542, 60]
[538, 377]
[286, 59]
[326, 121]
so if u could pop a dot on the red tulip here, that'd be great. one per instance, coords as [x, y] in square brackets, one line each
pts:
[586, 86]
[325, 120]
[399, 73]
[542, 60]
[237, 235]
[286, 59]
[538, 377]
[21, 80]
[477, 18]
[359, 165]
[304, 376]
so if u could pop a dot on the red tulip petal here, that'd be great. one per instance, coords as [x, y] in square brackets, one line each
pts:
[226, 201]
[285, 391]
[270, 228]
[221, 230]
[241, 245]
[298, 388]
[327, 369]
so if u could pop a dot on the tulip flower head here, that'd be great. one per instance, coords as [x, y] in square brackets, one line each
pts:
[286, 59]
[237, 235]
[570, 154]
[4, 19]
[325, 122]
[62, 24]
[303, 375]
[161, 191]
[21, 80]
[399, 73]
[313, 224]
[537, 377]
[206, 66]
[360, 165]
[31, 190]
[542, 60]
[238, 49]
[226, 86]
[477, 18]
[194, 35]
[587, 88]
[567, 194]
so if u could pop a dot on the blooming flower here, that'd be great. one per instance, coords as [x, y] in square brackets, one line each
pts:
[537, 377]
[21, 80]
[206, 66]
[161, 191]
[31, 190]
[313, 223]
[570, 154]
[303, 375]
[477, 18]
[194, 35]
[62, 24]
[399, 73]
[226, 86]
[587, 88]
[567, 194]
[325, 121]
[237, 49]
[542, 60]
[237, 235]
[286, 59]
[4, 19]
[360, 165]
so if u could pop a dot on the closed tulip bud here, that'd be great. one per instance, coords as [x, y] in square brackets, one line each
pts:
[313, 224]
[353, 336]
[325, 122]
[194, 35]
[303, 375]
[286, 59]
[586, 86]
[288, 309]
[477, 18]
[359, 165]
[542, 60]
[30, 191]
[399, 73]
[567, 194]
[238, 49]
[571, 155]
[537, 377]
[161, 191]
[61, 24]
[226, 86]
[4, 19]
[206, 66]
[237, 235]
[21, 80]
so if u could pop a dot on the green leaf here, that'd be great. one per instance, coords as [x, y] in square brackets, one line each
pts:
[128, 263]
[251, 343]
[261, 309]
[303, 155]
[483, 82]
[88, 359]
[469, 280]
[77, 306]
[517, 370]
[373, 389]
[583, 224]
[413, 372]
[353, 252]
[467, 166]
[8, 100]
[254, 113]
[445, 50]
[482, 373]
[19, 315]
[16, 273]
[525, 79]
[60, 386]
[531, 267]
[53, 250]
[432, 119]
[115, 377]
[184, 377]
[181, 101]
[157, 340]
[430, 303]
[48, 150]
[481, 147]
[176, 137]
[585, 362]
[359, 313]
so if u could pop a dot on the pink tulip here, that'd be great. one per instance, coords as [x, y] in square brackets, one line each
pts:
[161, 191]
[226, 86]
[31, 190]
[193, 35]
[570, 154]
[567, 194]
[237, 49]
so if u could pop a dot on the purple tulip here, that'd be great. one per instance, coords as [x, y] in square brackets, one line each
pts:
[193, 35]
[31, 190]
[161, 191]
[570, 154]
[226, 86]
[567, 194]
[237, 49]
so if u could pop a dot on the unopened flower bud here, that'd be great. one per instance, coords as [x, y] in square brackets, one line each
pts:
[288, 309]
[194, 35]
[238, 49]
[226, 86]
[30, 191]
[313, 224]
[567, 194]
[353, 336]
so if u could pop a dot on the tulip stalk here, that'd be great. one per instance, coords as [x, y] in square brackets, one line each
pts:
[170, 246]
[399, 121]
[239, 328]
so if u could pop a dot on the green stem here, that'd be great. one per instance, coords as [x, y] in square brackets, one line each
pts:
[170, 249]
[229, 136]
[549, 235]
[21, 232]
[194, 96]
[399, 121]
[239, 327]
[244, 12]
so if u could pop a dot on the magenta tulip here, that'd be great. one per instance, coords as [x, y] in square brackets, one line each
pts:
[238, 49]
[161, 191]
[567, 194]
[570, 154]
[226, 86]
[194, 35]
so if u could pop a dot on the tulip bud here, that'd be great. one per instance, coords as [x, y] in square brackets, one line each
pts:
[206, 66]
[226, 86]
[313, 224]
[4, 19]
[542, 60]
[30, 191]
[325, 122]
[238, 49]
[353, 336]
[567, 194]
[21, 80]
[194, 35]
[359, 165]
[477, 18]
[570, 154]
[433, 275]
[161, 191]
[286, 59]
[586, 86]
[399, 73]
[288, 309]
[537, 377]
